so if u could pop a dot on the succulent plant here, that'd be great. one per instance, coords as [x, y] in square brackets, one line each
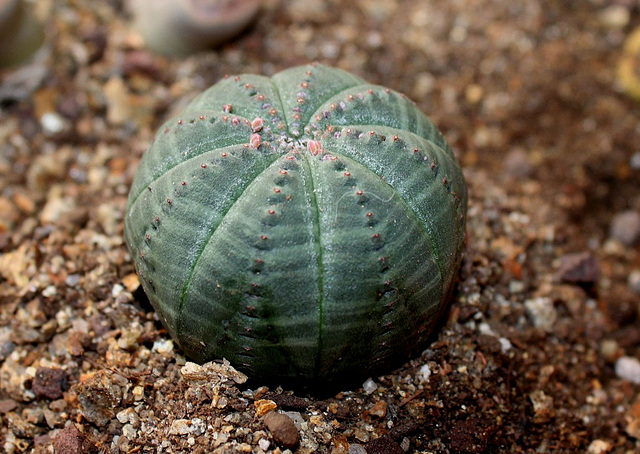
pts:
[180, 27]
[305, 226]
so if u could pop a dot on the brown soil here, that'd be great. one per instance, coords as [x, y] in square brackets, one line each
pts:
[524, 91]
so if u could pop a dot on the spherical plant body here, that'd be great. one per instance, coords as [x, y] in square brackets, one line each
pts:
[307, 226]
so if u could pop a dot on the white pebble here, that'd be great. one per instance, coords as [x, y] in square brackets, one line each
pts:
[516, 286]
[485, 328]
[615, 17]
[542, 312]
[195, 426]
[179, 427]
[138, 393]
[163, 346]
[634, 281]
[52, 123]
[424, 373]
[369, 386]
[505, 344]
[116, 290]
[625, 227]
[49, 291]
[127, 415]
[129, 431]
[72, 280]
[599, 447]
[264, 444]
[628, 368]
[63, 317]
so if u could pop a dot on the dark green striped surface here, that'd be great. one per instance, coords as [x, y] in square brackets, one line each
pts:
[292, 265]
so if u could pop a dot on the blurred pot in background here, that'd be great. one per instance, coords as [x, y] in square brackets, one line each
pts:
[20, 32]
[181, 27]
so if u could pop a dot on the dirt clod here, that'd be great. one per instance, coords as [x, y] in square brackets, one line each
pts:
[71, 441]
[383, 445]
[49, 383]
[578, 268]
[283, 429]
[99, 395]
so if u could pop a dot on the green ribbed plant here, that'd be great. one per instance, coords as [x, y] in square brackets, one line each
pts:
[307, 226]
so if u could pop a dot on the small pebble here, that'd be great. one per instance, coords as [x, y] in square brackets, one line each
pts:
[355, 448]
[212, 371]
[634, 281]
[71, 441]
[99, 394]
[128, 415]
[129, 431]
[369, 386]
[516, 286]
[609, 349]
[179, 427]
[632, 418]
[116, 290]
[264, 444]
[542, 406]
[41, 441]
[424, 373]
[195, 426]
[163, 346]
[49, 291]
[138, 393]
[52, 123]
[625, 227]
[131, 282]
[615, 17]
[53, 419]
[49, 383]
[7, 405]
[379, 409]
[517, 165]
[578, 268]
[628, 368]
[72, 280]
[505, 344]
[488, 343]
[264, 406]
[542, 312]
[473, 93]
[282, 429]
[119, 109]
[599, 447]
[296, 417]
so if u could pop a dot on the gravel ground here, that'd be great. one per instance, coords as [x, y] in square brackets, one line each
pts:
[539, 350]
